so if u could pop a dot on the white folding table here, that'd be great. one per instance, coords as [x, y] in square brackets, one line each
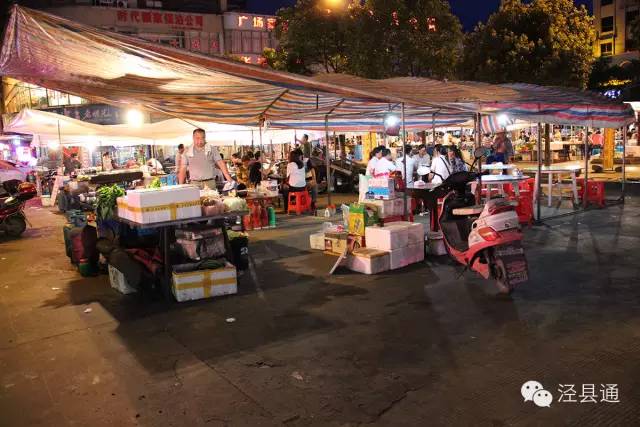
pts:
[499, 180]
[558, 171]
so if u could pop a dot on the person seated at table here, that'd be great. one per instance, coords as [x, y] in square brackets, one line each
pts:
[242, 174]
[296, 176]
[155, 165]
[455, 160]
[502, 149]
[312, 182]
[384, 166]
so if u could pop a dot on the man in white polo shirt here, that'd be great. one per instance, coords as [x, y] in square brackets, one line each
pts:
[201, 161]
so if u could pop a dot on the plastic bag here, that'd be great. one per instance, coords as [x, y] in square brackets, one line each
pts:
[345, 215]
[363, 187]
[234, 204]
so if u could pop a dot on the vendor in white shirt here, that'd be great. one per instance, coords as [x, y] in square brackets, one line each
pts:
[411, 166]
[384, 166]
[375, 156]
[441, 167]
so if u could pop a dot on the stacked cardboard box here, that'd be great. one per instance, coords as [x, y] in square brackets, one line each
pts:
[200, 284]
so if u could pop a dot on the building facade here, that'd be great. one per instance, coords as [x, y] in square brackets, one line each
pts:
[612, 20]
[205, 27]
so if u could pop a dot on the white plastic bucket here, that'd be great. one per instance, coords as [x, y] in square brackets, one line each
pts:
[436, 243]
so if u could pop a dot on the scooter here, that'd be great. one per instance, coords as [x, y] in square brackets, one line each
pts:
[13, 221]
[484, 238]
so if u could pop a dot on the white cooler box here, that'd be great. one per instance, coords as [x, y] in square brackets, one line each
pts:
[416, 231]
[387, 238]
[201, 284]
[387, 208]
[368, 261]
[403, 257]
[157, 205]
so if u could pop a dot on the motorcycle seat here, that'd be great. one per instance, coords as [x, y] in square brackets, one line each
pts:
[468, 210]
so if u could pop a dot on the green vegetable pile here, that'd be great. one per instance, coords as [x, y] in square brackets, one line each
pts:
[155, 183]
[107, 196]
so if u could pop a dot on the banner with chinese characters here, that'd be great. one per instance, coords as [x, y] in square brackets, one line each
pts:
[171, 19]
[100, 114]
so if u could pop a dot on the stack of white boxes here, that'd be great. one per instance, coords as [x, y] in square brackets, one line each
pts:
[391, 207]
[404, 241]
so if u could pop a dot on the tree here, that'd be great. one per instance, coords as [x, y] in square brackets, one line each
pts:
[375, 39]
[546, 42]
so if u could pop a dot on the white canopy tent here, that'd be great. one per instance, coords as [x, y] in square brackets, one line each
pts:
[50, 128]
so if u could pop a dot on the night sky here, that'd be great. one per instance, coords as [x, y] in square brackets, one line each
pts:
[469, 11]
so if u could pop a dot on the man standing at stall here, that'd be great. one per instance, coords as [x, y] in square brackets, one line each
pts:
[201, 159]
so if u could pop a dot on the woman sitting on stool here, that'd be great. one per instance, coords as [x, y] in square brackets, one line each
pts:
[295, 181]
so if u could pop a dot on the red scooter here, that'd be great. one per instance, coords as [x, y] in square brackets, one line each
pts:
[484, 238]
[12, 219]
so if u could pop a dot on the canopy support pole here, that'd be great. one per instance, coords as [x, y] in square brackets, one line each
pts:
[433, 129]
[624, 161]
[327, 160]
[404, 164]
[539, 180]
[60, 146]
[585, 199]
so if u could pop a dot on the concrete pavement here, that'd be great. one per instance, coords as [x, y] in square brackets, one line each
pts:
[415, 346]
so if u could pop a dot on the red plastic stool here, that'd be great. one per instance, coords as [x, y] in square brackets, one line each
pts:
[299, 202]
[595, 193]
[525, 207]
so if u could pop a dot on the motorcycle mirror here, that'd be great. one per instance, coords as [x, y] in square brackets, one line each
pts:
[478, 153]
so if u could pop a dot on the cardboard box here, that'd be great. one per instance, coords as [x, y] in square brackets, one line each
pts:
[382, 188]
[369, 261]
[387, 238]
[194, 285]
[389, 208]
[335, 243]
[416, 231]
[119, 282]
[157, 205]
[316, 241]
[360, 217]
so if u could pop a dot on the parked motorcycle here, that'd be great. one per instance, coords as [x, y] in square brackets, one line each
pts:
[13, 221]
[484, 238]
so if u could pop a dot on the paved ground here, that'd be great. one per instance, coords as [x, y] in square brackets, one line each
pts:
[418, 346]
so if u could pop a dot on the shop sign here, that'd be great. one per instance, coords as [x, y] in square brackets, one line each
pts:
[174, 20]
[100, 114]
[249, 22]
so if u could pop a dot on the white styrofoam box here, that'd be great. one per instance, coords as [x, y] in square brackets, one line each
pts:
[194, 285]
[387, 238]
[157, 205]
[369, 261]
[316, 241]
[436, 243]
[416, 231]
[387, 208]
[415, 252]
[398, 258]
[161, 196]
[119, 282]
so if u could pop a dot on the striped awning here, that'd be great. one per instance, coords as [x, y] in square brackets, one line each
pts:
[125, 71]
